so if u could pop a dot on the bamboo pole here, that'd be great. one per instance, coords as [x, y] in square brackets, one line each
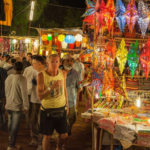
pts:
[92, 103]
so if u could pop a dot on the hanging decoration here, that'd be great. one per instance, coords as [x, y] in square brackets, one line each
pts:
[143, 12]
[131, 15]
[145, 58]
[49, 37]
[61, 37]
[44, 37]
[64, 45]
[121, 56]
[91, 8]
[100, 11]
[109, 13]
[78, 37]
[111, 49]
[69, 39]
[133, 58]
[108, 83]
[119, 13]
[118, 87]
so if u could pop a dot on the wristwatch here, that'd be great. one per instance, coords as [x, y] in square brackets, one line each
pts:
[49, 88]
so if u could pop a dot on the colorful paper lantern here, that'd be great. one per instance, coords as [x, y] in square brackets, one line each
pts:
[133, 58]
[121, 56]
[61, 37]
[84, 40]
[78, 43]
[145, 58]
[64, 45]
[131, 15]
[143, 12]
[69, 39]
[71, 46]
[44, 37]
[78, 37]
[119, 13]
[109, 13]
[49, 37]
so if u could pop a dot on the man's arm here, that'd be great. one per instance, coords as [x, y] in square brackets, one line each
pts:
[42, 93]
[24, 93]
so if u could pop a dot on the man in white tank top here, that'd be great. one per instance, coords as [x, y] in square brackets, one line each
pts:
[51, 85]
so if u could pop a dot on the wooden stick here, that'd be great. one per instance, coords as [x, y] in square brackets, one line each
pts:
[100, 139]
[112, 142]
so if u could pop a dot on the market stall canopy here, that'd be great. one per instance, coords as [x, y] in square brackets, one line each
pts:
[60, 30]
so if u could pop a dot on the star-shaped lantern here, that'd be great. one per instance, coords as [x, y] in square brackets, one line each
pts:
[143, 12]
[109, 13]
[133, 58]
[131, 15]
[119, 13]
[145, 58]
[108, 83]
[121, 56]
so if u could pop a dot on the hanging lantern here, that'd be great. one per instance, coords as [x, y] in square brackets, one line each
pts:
[78, 37]
[78, 43]
[49, 37]
[69, 39]
[64, 45]
[46, 42]
[71, 46]
[14, 41]
[84, 40]
[61, 37]
[44, 37]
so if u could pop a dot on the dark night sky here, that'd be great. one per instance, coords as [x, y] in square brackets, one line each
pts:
[73, 3]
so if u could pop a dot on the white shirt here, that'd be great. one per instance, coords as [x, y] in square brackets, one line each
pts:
[9, 68]
[34, 95]
[2, 63]
[28, 73]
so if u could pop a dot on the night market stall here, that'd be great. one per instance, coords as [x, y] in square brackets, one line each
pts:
[118, 78]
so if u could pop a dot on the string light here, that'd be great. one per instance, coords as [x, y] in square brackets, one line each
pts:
[32, 10]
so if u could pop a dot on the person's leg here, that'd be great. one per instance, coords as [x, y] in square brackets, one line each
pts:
[34, 124]
[61, 141]
[9, 120]
[46, 142]
[2, 115]
[71, 118]
[15, 123]
[27, 115]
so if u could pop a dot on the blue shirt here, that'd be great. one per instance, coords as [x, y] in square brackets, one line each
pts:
[3, 76]
[72, 80]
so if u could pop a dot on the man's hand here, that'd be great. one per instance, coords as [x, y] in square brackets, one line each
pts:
[25, 111]
[67, 110]
[57, 84]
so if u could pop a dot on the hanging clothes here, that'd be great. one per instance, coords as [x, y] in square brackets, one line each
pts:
[8, 8]
[2, 13]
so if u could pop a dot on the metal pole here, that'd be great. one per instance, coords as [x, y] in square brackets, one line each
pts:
[92, 103]
[29, 28]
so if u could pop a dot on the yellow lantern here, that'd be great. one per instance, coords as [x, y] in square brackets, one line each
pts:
[41, 52]
[61, 37]
[44, 37]
[84, 40]
[78, 37]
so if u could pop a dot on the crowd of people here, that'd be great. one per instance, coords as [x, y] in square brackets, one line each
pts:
[46, 91]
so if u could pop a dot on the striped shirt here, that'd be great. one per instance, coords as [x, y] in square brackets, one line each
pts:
[3, 76]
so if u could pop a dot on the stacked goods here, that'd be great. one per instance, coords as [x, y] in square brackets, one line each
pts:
[132, 84]
[146, 104]
[125, 131]
[113, 104]
[108, 124]
[143, 135]
[144, 84]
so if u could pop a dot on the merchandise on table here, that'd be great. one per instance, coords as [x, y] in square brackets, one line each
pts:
[143, 137]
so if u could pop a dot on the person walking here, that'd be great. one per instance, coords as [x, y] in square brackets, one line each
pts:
[38, 64]
[3, 76]
[51, 85]
[16, 103]
[73, 88]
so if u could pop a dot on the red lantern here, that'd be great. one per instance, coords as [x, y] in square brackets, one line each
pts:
[71, 46]
[55, 40]
[78, 43]
[46, 42]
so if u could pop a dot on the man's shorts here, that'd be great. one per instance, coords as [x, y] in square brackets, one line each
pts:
[48, 124]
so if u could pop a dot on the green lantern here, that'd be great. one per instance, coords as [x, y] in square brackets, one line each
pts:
[49, 37]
